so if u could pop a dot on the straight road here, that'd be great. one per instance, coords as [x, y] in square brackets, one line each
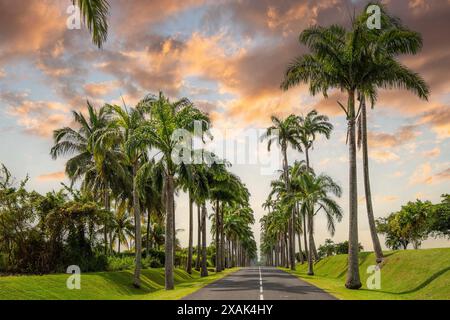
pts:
[260, 283]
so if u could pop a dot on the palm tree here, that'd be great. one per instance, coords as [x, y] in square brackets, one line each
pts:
[193, 179]
[337, 60]
[118, 134]
[99, 175]
[392, 40]
[311, 126]
[158, 133]
[95, 14]
[313, 192]
[122, 227]
[285, 133]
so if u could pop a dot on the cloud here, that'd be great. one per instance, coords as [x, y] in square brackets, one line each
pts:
[28, 26]
[439, 121]
[402, 136]
[53, 176]
[383, 156]
[36, 117]
[424, 175]
[433, 153]
[390, 198]
[100, 89]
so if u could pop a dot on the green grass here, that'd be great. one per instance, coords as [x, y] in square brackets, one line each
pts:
[411, 274]
[105, 285]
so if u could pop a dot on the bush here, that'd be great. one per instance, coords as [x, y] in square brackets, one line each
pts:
[118, 263]
[150, 262]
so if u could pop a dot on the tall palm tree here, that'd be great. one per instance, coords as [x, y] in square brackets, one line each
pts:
[124, 122]
[310, 126]
[337, 61]
[158, 133]
[193, 179]
[95, 15]
[392, 40]
[285, 133]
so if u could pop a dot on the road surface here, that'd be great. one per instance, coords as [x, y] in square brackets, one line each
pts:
[260, 283]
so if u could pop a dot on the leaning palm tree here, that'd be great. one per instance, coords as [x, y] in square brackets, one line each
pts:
[392, 40]
[285, 133]
[95, 15]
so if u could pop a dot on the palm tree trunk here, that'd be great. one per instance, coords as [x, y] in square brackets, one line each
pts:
[191, 230]
[307, 157]
[138, 237]
[222, 240]
[105, 230]
[305, 231]
[310, 252]
[368, 193]
[118, 245]
[297, 211]
[316, 256]
[217, 240]
[147, 240]
[313, 245]
[291, 253]
[169, 236]
[353, 280]
[174, 248]
[300, 251]
[199, 229]
[204, 272]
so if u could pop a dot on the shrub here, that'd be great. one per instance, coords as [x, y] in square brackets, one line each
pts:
[118, 263]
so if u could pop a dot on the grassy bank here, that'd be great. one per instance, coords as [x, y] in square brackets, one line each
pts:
[410, 274]
[105, 285]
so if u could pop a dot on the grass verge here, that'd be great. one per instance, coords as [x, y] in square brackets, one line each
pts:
[105, 286]
[405, 275]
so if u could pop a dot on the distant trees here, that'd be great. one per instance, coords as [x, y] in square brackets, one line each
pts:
[415, 222]
[329, 248]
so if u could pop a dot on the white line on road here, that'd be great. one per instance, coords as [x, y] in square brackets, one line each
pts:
[261, 296]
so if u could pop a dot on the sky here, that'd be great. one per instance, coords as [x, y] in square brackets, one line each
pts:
[228, 57]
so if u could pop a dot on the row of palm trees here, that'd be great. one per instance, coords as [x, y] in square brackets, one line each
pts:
[298, 195]
[125, 157]
[358, 62]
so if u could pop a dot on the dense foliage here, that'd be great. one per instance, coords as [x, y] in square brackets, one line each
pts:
[415, 222]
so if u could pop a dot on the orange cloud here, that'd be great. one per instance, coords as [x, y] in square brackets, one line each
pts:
[53, 176]
[433, 153]
[40, 24]
[386, 140]
[383, 156]
[36, 117]
[439, 120]
[100, 88]
[423, 175]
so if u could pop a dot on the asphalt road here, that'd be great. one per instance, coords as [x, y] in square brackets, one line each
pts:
[262, 283]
